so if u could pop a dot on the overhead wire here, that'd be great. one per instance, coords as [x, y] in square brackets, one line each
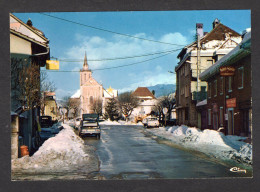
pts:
[116, 58]
[120, 66]
[109, 31]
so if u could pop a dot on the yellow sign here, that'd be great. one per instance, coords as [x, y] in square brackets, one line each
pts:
[52, 65]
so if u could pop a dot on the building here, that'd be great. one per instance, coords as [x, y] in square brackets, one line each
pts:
[50, 105]
[29, 50]
[229, 102]
[194, 59]
[146, 102]
[90, 90]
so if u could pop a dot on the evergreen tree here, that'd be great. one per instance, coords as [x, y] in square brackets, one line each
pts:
[111, 110]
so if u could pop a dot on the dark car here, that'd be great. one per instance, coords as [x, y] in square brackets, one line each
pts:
[90, 125]
[48, 128]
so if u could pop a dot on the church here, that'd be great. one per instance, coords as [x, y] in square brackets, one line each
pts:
[91, 91]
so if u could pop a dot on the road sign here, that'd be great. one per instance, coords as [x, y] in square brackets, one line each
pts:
[165, 110]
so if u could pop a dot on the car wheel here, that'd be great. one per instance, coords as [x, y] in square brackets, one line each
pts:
[98, 136]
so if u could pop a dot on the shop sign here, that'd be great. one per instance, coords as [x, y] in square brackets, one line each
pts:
[227, 71]
[52, 64]
[231, 103]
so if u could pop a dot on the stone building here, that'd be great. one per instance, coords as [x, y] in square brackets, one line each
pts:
[90, 89]
[213, 46]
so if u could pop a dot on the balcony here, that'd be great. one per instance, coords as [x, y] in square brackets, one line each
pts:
[200, 96]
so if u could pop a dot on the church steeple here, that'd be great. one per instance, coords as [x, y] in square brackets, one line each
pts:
[85, 65]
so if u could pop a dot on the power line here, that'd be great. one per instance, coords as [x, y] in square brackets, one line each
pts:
[106, 30]
[122, 65]
[116, 58]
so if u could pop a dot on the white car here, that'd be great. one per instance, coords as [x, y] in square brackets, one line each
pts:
[152, 122]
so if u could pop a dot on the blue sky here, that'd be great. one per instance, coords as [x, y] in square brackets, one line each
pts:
[70, 41]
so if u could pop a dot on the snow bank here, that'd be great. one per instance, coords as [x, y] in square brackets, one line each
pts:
[59, 153]
[210, 142]
[109, 122]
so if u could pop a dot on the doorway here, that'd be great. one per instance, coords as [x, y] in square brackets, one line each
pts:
[231, 121]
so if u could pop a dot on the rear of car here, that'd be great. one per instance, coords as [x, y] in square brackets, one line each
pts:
[152, 122]
[90, 125]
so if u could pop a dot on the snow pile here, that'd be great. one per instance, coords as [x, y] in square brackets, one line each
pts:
[109, 122]
[58, 153]
[210, 142]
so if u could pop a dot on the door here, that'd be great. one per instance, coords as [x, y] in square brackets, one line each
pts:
[215, 121]
[230, 121]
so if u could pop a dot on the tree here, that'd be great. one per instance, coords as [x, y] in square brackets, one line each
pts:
[25, 83]
[127, 103]
[97, 106]
[111, 109]
[165, 102]
[153, 92]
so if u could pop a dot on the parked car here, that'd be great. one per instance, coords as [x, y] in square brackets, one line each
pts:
[90, 125]
[48, 129]
[152, 122]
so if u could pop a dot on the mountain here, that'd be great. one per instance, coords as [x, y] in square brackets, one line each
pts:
[163, 89]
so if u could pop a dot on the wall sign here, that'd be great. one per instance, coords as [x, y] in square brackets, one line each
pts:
[227, 71]
[231, 103]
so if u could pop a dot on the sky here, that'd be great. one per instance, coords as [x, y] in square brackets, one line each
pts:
[70, 41]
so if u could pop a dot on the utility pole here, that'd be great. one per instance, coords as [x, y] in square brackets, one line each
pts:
[198, 64]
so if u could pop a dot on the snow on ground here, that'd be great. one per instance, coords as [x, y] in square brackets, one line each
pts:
[63, 152]
[209, 142]
[120, 122]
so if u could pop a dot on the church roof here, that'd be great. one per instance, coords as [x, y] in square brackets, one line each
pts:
[143, 92]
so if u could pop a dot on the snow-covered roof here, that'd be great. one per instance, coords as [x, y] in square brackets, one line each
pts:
[76, 95]
[237, 53]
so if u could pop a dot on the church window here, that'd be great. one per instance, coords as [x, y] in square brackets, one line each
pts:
[91, 100]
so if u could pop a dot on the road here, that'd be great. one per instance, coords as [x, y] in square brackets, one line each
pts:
[126, 152]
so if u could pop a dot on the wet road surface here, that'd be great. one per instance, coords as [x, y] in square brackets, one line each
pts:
[125, 152]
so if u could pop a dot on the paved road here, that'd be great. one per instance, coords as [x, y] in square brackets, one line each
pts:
[125, 152]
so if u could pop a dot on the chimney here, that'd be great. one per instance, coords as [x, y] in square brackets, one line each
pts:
[199, 29]
[29, 22]
[215, 23]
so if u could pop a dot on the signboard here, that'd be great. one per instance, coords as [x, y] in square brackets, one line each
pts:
[52, 64]
[165, 110]
[231, 103]
[227, 71]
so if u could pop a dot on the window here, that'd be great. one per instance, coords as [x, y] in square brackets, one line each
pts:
[221, 116]
[230, 84]
[221, 86]
[186, 69]
[91, 100]
[85, 76]
[186, 114]
[186, 90]
[209, 62]
[240, 78]
[209, 116]
[215, 88]
[209, 91]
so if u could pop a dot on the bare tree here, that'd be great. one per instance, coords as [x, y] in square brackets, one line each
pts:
[127, 103]
[25, 83]
[74, 104]
[97, 106]
[165, 102]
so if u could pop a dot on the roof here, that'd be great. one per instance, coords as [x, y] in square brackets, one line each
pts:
[76, 95]
[217, 33]
[143, 92]
[239, 52]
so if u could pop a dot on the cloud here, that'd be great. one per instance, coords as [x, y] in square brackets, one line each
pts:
[150, 80]
[120, 46]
